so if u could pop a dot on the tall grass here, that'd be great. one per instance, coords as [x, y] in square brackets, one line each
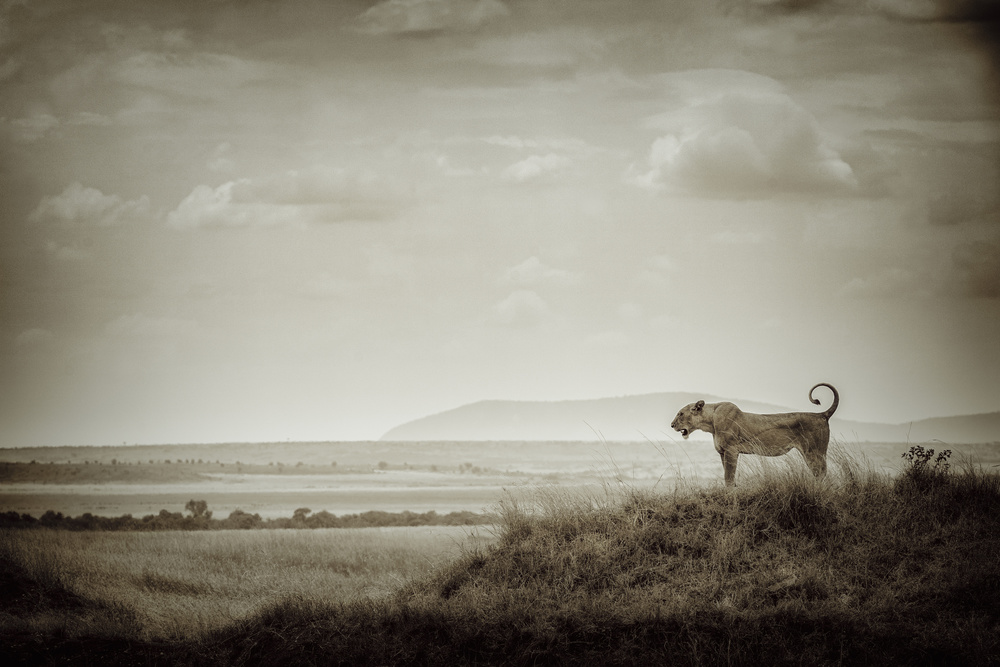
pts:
[855, 568]
[182, 584]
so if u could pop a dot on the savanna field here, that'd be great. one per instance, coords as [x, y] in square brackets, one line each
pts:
[863, 567]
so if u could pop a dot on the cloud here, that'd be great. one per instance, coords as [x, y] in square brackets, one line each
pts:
[740, 144]
[567, 145]
[403, 17]
[78, 206]
[534, 167]
[978, 266]
[532, 272]
[521, 308]
[208, 207]
[319, 194]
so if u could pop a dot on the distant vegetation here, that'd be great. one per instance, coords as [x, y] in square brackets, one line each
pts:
[158, 471]
[200, 518]
[858, 568]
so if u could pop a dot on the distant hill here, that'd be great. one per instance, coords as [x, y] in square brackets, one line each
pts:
[645, 416]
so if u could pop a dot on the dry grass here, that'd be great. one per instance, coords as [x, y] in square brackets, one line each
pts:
[856, 568]
[185, 584]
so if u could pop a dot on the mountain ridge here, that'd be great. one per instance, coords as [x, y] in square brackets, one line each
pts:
[640, 417]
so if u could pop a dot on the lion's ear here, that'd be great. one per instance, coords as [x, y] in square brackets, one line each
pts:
[698, 406]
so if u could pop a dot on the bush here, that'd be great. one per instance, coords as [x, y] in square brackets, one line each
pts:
[919, 475]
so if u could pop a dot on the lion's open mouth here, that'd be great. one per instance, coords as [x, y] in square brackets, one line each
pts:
[685, 433]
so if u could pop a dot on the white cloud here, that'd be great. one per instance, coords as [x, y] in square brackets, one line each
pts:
[79, 205]
[428, 16]
[532, 272]
[743, 143]
[573, 146]
[208, 207]
[511, 141]
[521, 308]
[319, 194]
[534, 167]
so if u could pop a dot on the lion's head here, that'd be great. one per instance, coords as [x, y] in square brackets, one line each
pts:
[690, 418]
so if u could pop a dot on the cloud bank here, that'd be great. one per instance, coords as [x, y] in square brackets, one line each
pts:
[295, 197]
[78, 205]
[744, 144]
[402, 17]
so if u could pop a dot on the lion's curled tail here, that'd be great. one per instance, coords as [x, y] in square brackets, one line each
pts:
[836, 399]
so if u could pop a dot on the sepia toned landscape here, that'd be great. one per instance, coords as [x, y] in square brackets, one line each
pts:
[500, 552]
[567, 561]
[499, 332]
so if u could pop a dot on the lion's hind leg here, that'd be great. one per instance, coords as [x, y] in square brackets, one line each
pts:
[817, 463]
[815, 457]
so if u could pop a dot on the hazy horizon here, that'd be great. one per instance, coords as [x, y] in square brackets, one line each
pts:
[257, 221]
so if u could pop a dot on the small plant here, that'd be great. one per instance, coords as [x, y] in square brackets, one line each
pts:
[918, 461]
[920, 474]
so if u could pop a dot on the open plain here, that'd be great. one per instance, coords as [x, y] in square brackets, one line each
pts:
[274, 479]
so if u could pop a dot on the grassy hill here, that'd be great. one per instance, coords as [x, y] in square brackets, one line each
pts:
[859, 568]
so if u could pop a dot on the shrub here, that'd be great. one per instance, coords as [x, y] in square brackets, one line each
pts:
[919, 475]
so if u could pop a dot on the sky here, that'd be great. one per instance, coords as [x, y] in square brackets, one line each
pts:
[260, 220]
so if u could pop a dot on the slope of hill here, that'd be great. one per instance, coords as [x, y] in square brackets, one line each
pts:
[627, 418]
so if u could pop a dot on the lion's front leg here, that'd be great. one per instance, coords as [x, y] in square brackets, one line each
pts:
[729, 459]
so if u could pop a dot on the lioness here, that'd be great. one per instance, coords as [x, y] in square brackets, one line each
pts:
[736, 432]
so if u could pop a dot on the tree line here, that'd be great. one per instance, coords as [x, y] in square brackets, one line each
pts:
[200, 518]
